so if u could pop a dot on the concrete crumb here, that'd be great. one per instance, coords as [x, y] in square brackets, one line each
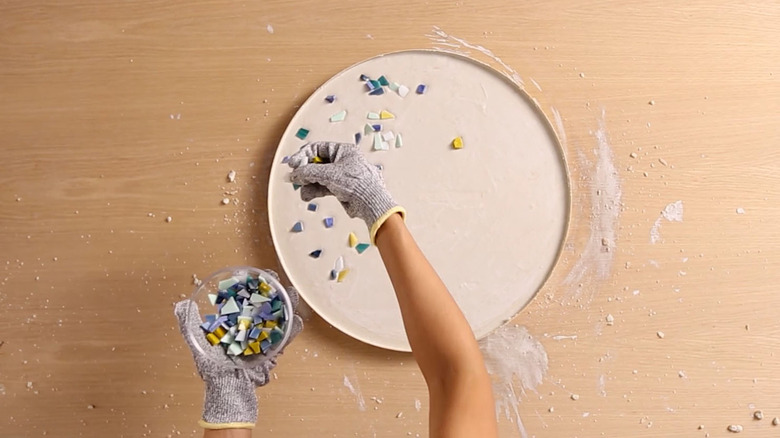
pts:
[632, 155]
[90, 406]
[682, 374]
[660, 335]
[29, 385]
[652, 102]
[662, 161]
[610, 319]
[575, 397]
[734, 428]
[231, 176]
[168, 219]
[776, 421]
[582, 75]
[758, 415]
[701, 426]
[740, 210]
[551, 410]
[195, 280]
[225, 201]
[399, 415]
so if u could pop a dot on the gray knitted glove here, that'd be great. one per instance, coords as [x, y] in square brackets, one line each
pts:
[345, 174]
[230, 400]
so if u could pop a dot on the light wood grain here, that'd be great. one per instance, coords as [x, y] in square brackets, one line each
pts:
[89, 149]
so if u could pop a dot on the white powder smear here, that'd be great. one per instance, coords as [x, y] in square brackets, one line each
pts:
[356, 392]
[513, 356]
[450, 43]
[673, 213]
[603, 183]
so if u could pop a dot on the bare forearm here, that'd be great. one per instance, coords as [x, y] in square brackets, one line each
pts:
[227, 433]
[441, 339]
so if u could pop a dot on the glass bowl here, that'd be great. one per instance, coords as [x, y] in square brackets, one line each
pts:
[254, 291]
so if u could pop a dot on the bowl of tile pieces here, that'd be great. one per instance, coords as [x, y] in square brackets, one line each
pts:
[246, 311]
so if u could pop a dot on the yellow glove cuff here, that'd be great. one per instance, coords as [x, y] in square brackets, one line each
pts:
[379, 222]
[218, 426]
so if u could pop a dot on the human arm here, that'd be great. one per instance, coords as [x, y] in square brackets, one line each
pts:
[227, 433]
[442, 342]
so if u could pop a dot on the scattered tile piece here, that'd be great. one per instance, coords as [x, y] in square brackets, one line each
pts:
[227, 283]
[315, 254]
[372, 116]
[334, 274]
[370, 86]
[364, 78]
[403, 90]
[353, 240]
[376, 127]
[296, 186]
[317, 160]
[298, 227]
[339, 265]
[330, 98]
[383, 81]
[377, 92]
[399, 141]
[362, 247]
[385, 146]
[230, 307]
[388, 136]
[421, 88]
[328, 222]
[457, 143]
[339, 116]
[302, 133]
[342, 275]
[394, 86]
[358, 137]
[368, 129]
[312, 206]
[377, 142]
[384, 115]
[285, 159]
[235, 349]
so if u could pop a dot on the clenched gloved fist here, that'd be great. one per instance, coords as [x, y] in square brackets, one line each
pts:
[345, 174]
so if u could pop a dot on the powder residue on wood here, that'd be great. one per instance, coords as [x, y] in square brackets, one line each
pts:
[602, 182]
[517, 363]
[673, 213]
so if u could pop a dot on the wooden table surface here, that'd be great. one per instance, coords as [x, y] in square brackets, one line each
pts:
[116, 115]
